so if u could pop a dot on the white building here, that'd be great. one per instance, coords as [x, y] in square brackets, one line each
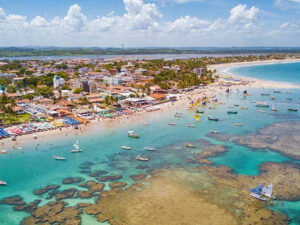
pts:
[113, 80]
[58, 82]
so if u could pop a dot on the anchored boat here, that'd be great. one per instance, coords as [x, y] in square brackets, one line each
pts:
[132, 134]
[2, 182]
[190, 146]
[232, 112]
[59, 158]
[268, 191]
[257, 192]
[148, 148]
[262, 104]
[140, 158]
[77, 149]
[126, 147]
[292, 109]
[213, 118]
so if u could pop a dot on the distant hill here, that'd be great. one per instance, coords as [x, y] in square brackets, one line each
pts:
[68, 51]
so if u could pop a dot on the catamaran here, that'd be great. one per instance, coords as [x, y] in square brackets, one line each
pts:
[140, 158]
[2, 182]
[274, 109]
[268, 191]
[126, 147]
[148, 148]
[132, 134]
[257, 192]
[59, 158]
[77, 149]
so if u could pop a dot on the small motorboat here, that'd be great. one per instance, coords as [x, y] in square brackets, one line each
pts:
[126, 147]
[132, 134]
[276, 91]
[213, 118]
[274, 109]
[213, 131]
[145, 124]
[190, 146]
[238, 124]
[77, 149]
[3, 152]
[59, 158]
[191, 125]
[261, 111]
[292, 109]
[19, 148]
[178, 115]
[232, 112]
[148, 148]
[265, 94]
[2, 182]
[172, 124]
[244, 108]
[140, 158]
[236, 105]
[262, 104]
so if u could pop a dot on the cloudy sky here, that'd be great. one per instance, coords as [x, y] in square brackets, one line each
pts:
[150, 23]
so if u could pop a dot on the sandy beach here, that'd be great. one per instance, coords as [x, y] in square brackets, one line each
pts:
[143, 116]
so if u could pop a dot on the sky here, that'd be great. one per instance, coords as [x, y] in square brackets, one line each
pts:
[150, 23]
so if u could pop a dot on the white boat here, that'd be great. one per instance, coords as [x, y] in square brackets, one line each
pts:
[76, 146]
[259, 197]
[145, 124]
[140, 158]
[274, 109]
[126, 147]
[191, 125]
[172, 124]
[19, 148]
[277, 91]
[2, 182]
[213, 131]
[148, 148]
[3, 151]
[132, 134]
[59, 158]
[268, 191]
[261, 111]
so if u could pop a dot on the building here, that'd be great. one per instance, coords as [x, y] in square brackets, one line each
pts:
[58, 82]
[199, 71]
[111, 81]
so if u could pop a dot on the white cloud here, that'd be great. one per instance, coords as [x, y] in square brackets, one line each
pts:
[142, 24]
[240, 13]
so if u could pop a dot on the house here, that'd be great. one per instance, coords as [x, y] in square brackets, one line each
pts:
[113, 80]
[157, 90]
[65, 103]
[45, 101]
[158, 97]
[94, 98]
[12, 95]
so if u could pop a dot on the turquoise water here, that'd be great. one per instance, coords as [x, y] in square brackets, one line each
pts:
[35, 168]
[283, 72]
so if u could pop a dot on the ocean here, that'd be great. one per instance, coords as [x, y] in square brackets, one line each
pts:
[34, 167]
[282, 72]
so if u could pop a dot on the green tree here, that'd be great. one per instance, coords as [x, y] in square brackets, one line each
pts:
[78, 91]
[11, 89]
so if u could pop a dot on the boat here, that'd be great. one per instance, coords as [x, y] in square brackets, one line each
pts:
[261, 111]
[265, 94]
[77, 149]
[262, 104]
[190, 146]
[289, 99]
[257, 192]
[274, 109]
[2, 182]
[3, 151]
[148, 148]
[236, 105]
[238, 124]
[19, 148]
[145, 124]
[213, 118]
[172, 124]
[178, 114]
[292, 109]
[276, 91]
[268, 191]
[59, 158]
[132, 134]
[213, 131]
[198, 110]
[244, 108]
[126, 147]
[232, 112]
[191, 125]
[140, 158]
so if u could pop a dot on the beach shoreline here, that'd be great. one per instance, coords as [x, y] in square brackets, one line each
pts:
[165, 108]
